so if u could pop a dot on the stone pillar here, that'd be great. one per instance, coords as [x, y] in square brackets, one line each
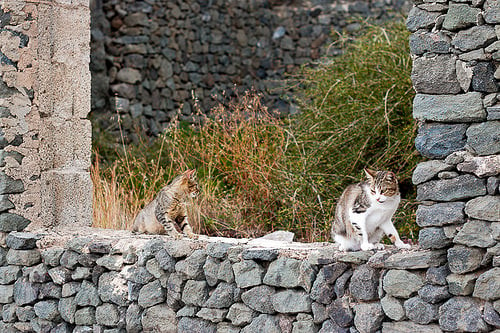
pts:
[456, 53]
[44, 102]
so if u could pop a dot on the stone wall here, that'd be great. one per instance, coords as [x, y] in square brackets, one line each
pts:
[152, 59]
[118, 282]
[45, 140]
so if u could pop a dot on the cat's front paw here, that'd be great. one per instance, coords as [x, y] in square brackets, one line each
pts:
[367, 246]
[176, 235]
[192, 235]
[402, 245]
[379, 246]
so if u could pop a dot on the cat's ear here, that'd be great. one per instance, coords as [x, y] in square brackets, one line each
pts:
[391, 176]
[370, 174]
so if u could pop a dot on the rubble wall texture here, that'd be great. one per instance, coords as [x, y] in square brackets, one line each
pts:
[45, 138]
[152, 59]
[107, 281]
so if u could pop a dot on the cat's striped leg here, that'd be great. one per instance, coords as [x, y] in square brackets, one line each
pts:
[358, 221]
[186, 229]
[169, 226]
[393, 235]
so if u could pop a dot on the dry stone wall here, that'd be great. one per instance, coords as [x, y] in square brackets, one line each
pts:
[153, 59]
[100, 281]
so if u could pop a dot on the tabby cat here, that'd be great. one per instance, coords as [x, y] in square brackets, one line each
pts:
[168, 208]
[364, 211]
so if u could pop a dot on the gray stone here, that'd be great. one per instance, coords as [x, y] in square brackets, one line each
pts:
[187, 311]
[188, 325]
[85, 316]
[434, 294]
[87, 295]
[23, 257]
[448, 108]
[475, 233]
[67, 309]
[483, 138]
[259, 299]
[364, 283]
[12, 222]
[151, 294]
[461, 284]
[240, 315]
[493, 185]
[42, 325]
[319, 312]
[280, 236]
[21, 240]
[47, 310]
[484, 208]
[70, 289]
[429, 169]
[221, 297]
[463, 259]
[434, 42]
[133, 319]
[490, 315]
[458, 157]
[165, 260]
[25, 292]
[357, 257]
[25, 313]
[6, 294]
[192, 266]
[434, 75]
[437, 275]
[69, 259]
[113, 288]
[153, 246]
[9, 274]
[291, 301]
[160, 318]
[461, 314]
[481, 166]
[81, 273]
[39, 273]
[129, 75]
[247, 273]
[433, 238]
[400, 283]
[107, 314]
[340, 312]
[341, 284]
[195, 293]
[178, 248]
[263, 323]
[461, 187]
[290, 273]
[213, 315]
[420, 19]
[435, 140]
[260, 254]
[415, 260]
[112, 263]
[409, 327]
[330, 326]
[225, 272]
[218, 250]
[460, 16]
[368, 317]
[137, 274]
[474, 38]
[50, 290]
[211, 269]
[393, 308]
[9, 185]
[227, 328]
[488, 285]
[491, 12]
[419, 311]
[483, 77]
[9, 313]
[440, 214]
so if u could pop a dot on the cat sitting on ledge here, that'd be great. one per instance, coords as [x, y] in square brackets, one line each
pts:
[364, 213]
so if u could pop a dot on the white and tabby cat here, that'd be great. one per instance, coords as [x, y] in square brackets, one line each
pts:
[364, 212]
[168, 209]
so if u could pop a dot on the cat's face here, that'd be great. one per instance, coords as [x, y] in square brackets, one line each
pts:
[383, 185]
[191, 183]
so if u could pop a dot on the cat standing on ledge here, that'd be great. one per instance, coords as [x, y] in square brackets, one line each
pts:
[364, 212]
[168, 209]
